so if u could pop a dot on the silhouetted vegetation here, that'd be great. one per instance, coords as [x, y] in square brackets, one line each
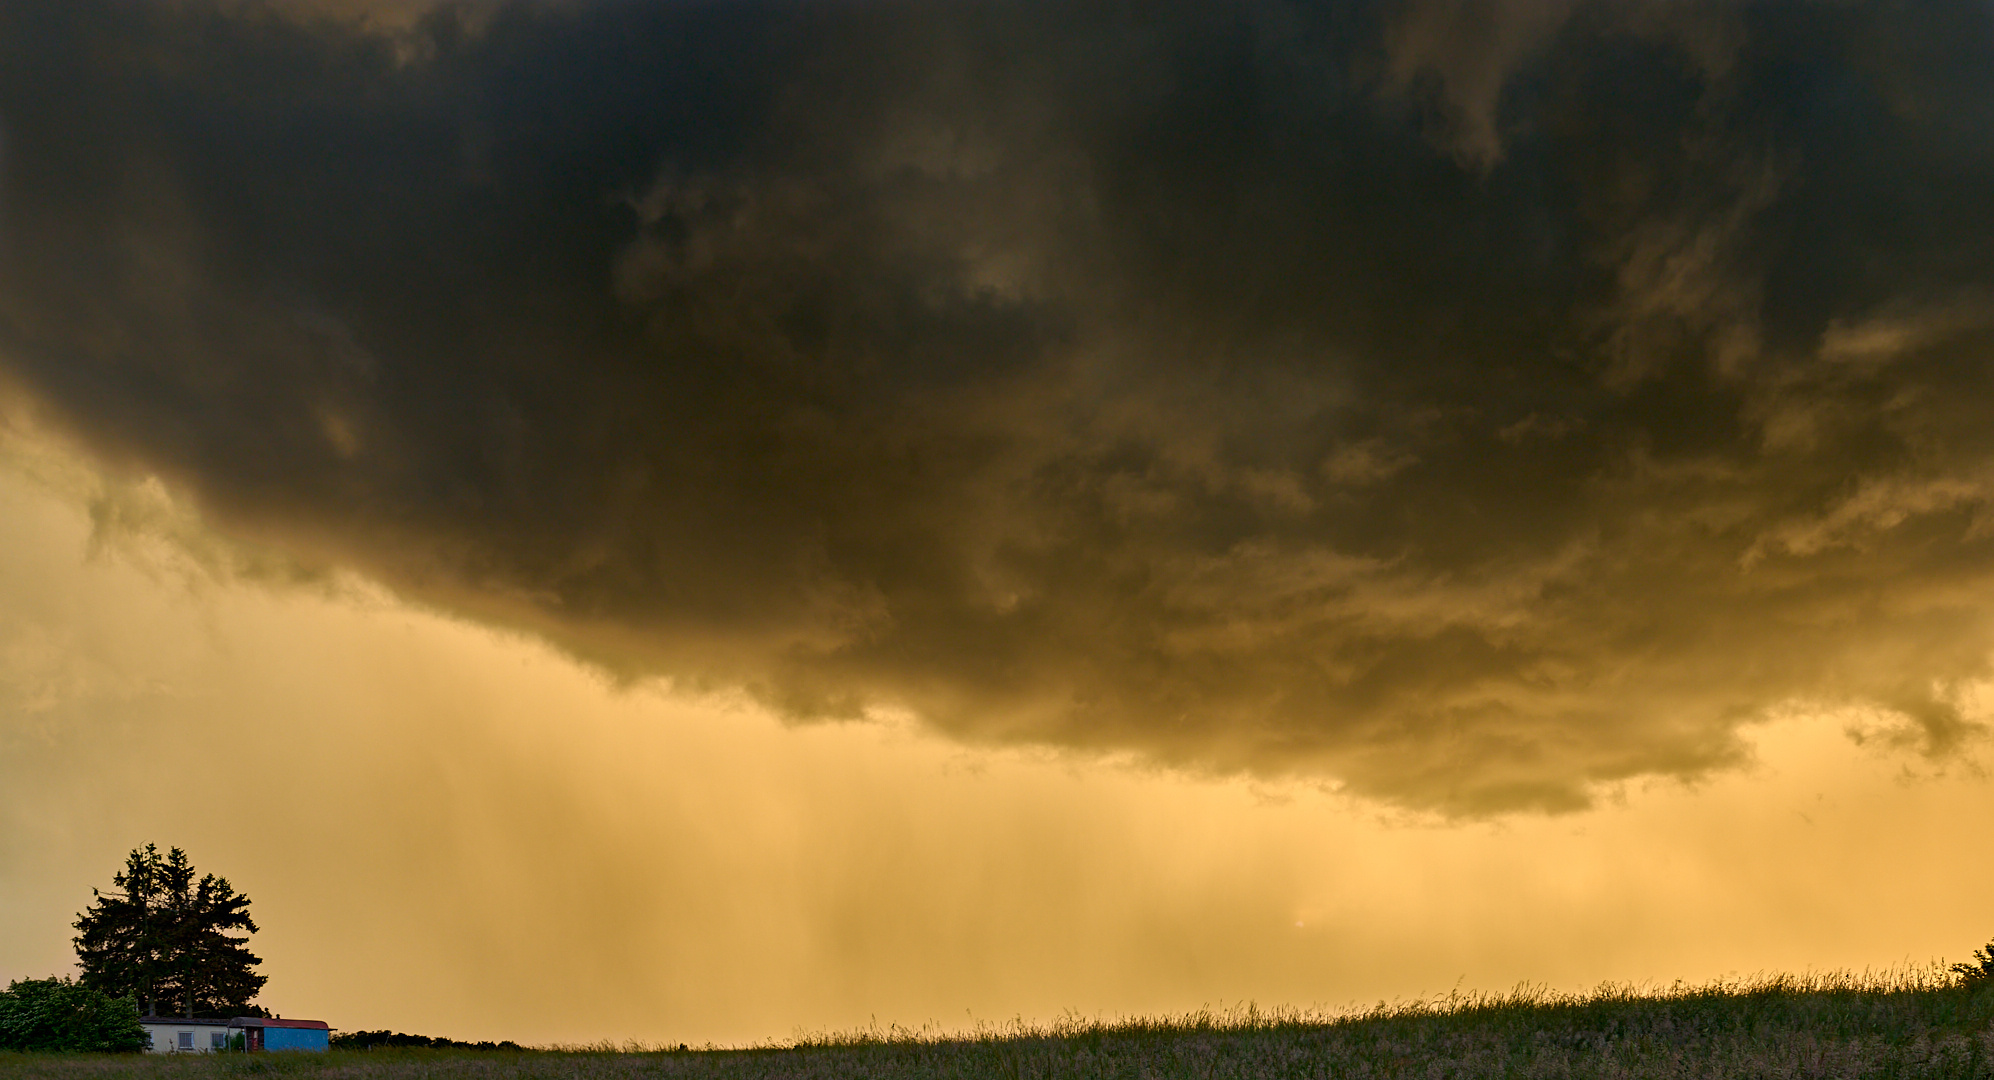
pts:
[395, 1040]
[64, 1015]
[161, 938]
[1978, 970]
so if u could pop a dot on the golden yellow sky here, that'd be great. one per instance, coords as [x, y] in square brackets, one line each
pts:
[454, 831]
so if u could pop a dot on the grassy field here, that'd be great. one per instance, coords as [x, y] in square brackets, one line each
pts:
[1902, 1024]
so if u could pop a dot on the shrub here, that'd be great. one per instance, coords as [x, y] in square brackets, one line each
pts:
[1979, 971]
[61, 1014]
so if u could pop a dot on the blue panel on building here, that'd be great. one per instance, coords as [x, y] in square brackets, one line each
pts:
[283, 1038]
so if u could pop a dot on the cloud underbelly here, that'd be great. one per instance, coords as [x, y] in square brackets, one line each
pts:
[1267, 387]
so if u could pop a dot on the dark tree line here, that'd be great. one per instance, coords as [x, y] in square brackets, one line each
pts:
[162, 939]
[368, 1040]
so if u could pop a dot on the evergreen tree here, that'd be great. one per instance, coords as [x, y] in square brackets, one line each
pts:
[215, 970]
[121, 945]
[163, 939]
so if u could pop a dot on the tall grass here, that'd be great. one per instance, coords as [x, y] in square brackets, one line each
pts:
[1908, 1023]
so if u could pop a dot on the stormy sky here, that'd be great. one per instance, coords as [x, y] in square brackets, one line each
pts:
[1464, 405]
[709, 519]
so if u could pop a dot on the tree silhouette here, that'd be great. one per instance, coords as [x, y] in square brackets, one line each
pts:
[162, 938]
[1980, 970]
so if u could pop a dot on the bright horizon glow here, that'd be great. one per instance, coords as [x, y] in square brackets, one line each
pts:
[455, 831]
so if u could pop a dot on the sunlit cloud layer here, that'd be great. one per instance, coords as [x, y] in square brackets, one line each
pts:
[1468, 405]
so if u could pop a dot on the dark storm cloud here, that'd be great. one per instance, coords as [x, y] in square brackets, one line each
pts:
[1469, 402]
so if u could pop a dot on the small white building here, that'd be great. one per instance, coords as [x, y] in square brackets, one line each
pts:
[175, 1034]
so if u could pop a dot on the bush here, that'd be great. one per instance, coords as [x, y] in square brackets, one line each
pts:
[1980, 971]
[61, 1014]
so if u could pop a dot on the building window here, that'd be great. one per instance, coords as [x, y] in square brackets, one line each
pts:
[217, 1040]
[186, 1040]
[148, 1039]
